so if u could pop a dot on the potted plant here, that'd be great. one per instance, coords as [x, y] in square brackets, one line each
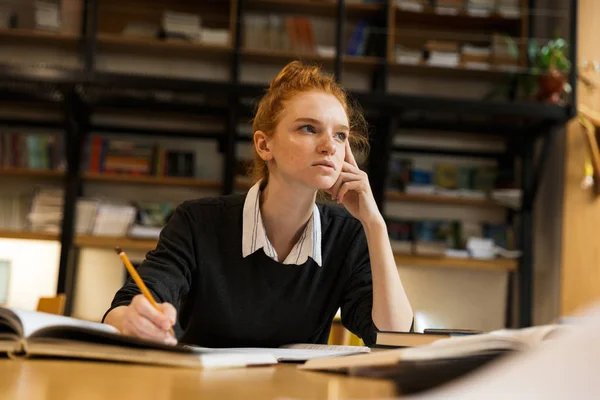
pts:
[551, 66]
[547, 80]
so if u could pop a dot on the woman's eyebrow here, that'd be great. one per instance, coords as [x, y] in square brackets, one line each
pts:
[317, 122]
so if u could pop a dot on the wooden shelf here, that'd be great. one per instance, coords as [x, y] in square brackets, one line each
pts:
[281, 56]
[459, 71]
[460, 21]
[30, 36]
[30, 173]
[120, 43]
[500, 264]
[312, 7]
[437, 199]
[126, 243]
[152, 180]
[8, 234]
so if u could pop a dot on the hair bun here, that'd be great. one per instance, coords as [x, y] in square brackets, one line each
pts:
[296, 73]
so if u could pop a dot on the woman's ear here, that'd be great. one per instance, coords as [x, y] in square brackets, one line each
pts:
[261, 144]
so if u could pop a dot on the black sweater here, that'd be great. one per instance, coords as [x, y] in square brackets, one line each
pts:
[224, 300]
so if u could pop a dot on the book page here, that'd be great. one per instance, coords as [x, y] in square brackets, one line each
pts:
[328, 347]
[282, 354]
[32, 321]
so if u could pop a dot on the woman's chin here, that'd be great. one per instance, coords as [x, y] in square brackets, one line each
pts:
[322, 183]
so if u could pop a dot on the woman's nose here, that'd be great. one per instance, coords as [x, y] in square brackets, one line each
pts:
[327, 145]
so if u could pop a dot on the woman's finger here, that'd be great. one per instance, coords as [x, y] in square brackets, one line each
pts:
[347, 187]
[349, 156]
[143, 307]
[169, 311]
[344, 178]
[349, 167]
[146, 329]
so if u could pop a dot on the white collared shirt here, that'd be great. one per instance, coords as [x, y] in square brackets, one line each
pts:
[255, 238]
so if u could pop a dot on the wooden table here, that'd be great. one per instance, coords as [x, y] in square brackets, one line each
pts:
[66, 380]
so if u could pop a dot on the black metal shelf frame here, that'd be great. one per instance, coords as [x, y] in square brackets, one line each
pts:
[387, 113]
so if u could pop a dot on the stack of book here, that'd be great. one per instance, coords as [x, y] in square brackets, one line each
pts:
[449, 7]
[502, 53]
[180, 25]
[442, 53]
[408, 55]
[476, 56]
[46, 211]
[509, 8]
[480, 8]
[413, 5]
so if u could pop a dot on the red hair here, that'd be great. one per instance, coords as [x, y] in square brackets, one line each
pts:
[293, 79]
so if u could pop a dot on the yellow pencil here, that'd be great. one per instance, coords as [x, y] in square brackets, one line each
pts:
[139, 282]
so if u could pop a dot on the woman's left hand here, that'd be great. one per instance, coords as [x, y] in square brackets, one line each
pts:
[352, 189]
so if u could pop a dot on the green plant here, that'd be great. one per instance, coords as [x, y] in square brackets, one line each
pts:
[551, 58]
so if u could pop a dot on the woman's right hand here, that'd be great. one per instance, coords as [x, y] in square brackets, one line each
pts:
[142, 320]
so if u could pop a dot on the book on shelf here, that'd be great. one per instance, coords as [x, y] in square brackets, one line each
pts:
[413, 5]
[32, 151]
[480, 8]
[279, 33]
[449, 7]
[37, 334]
[117, 156]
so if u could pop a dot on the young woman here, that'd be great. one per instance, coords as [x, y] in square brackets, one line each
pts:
[272, 267]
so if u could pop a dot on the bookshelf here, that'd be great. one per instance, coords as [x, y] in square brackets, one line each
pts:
[27, 235]
[17, 36]
[416, 29]
[111, 42]
[451, 262]
[30, 173]
[152, 180]
[461, 70]
[283, 57]
[315, 8]
[107, 242]
[461, 20]
[401, 259]
[106, 36]
[441, 200]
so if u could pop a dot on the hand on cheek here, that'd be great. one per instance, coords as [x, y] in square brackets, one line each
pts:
[352, 189]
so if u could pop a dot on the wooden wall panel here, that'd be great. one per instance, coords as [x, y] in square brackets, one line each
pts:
[580, 274]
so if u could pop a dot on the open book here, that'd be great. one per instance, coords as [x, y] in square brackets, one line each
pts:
[36, 334]
[453, 348]
[29, 334]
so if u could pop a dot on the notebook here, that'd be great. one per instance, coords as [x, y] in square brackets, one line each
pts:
[37, 334]
[386, 339]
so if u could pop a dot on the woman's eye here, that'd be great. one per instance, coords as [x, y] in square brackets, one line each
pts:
[307, 128]
[341, 135]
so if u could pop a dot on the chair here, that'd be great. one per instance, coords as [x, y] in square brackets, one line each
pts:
[52, 305]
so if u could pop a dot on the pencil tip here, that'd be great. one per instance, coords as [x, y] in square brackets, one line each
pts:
[118, 250]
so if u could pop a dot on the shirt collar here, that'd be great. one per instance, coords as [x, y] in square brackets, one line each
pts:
[255, 238]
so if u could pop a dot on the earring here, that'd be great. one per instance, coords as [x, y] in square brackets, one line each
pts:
[266, 162]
